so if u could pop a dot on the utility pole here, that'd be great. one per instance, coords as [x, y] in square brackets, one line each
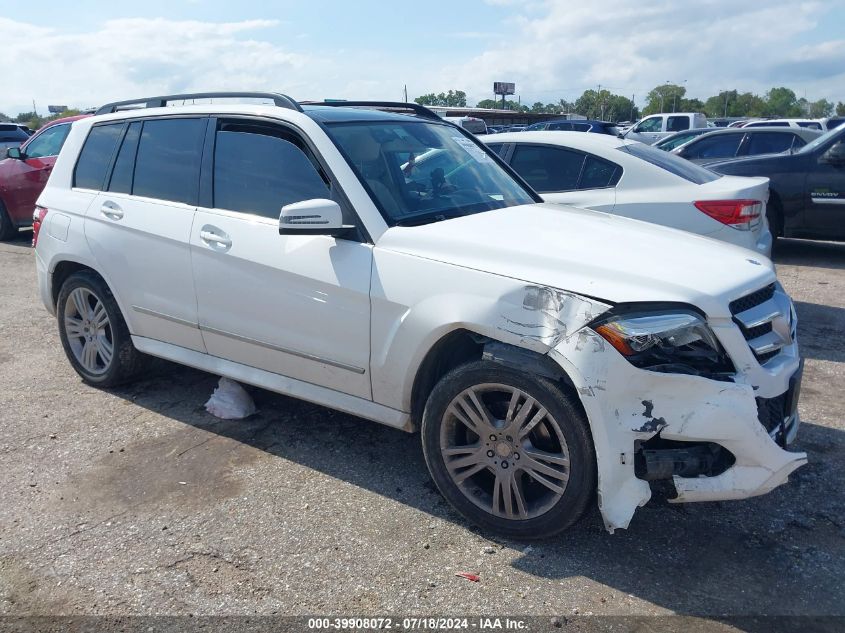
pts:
[406, 93]
[632, 108]
[33, 108]
[675, 96]
[726, 104]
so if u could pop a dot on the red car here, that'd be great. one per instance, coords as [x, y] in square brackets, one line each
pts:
[24, 173]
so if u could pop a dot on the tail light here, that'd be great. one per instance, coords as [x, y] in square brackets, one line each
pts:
[743, 215]
[37, 220]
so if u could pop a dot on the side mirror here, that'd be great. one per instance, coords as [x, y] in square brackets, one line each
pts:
[14, 152]
[835, 155]
[313, 217]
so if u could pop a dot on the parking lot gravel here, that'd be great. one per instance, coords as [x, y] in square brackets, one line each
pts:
[137, 501]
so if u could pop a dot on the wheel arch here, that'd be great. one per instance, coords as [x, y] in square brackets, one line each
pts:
[64, 268]
[462, 345]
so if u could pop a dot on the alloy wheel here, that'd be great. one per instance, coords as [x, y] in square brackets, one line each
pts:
[504, 451]
[89, 331]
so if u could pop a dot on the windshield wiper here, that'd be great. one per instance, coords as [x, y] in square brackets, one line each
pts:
[427, 218]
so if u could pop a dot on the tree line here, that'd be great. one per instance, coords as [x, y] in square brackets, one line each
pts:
[604, 105]
[34, 121]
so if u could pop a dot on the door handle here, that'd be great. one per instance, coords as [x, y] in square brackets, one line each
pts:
[111, 210]
[209, 235]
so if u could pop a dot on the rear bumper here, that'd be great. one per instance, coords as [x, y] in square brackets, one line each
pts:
[45, 291]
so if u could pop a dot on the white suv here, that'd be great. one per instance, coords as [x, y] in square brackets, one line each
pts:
[546, 353]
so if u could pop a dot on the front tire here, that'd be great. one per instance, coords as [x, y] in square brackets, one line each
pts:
[510, 451]
[94, 335]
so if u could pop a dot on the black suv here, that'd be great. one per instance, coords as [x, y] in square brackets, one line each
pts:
[807, 187]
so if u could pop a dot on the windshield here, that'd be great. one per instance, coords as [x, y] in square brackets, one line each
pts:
[821, 140]
[418, 172]
[681, 167]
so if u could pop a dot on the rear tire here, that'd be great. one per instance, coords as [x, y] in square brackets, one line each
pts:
[509, 450]
[8, 230]
[94, 335]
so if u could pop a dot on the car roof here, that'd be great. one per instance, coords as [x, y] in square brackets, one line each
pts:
[758, 130]
[589, 121]
[578, 140]
[66, 119]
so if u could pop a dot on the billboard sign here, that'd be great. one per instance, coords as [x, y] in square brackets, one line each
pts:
[504, 88]
[56, 109]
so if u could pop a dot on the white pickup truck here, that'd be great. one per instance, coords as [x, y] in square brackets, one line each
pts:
[653, 128]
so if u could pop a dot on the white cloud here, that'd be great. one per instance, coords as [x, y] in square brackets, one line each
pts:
[550, 48]
[138, 57]
[564, 48]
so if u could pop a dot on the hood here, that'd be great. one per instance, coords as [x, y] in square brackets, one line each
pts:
[591, 253]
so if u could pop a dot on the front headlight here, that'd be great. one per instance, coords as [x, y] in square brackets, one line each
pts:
[676, 341]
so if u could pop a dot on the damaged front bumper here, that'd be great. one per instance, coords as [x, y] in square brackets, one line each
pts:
[722, 448]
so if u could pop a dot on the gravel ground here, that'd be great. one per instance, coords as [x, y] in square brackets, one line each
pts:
[136, 501]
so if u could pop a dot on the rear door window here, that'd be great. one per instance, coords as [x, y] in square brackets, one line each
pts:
[167, 165]
[677, 123]
[769, 143]
[96, 155]
[260, 169]
[716, 146]
[548, 169]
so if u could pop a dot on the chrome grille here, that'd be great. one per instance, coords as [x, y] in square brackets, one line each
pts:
[766, 319]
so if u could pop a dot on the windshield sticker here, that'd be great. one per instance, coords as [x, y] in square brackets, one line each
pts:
[472, 149]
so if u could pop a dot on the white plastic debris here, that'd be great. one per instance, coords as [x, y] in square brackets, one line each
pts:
[230, 401]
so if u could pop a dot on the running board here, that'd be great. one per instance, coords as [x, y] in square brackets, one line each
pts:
[275, 382]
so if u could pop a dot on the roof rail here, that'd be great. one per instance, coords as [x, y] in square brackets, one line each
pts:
[380, 105]
[279, 100]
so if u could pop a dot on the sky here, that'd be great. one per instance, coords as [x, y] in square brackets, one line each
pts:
[86, 53]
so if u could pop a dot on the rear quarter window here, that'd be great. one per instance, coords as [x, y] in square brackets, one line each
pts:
[96, 155]
[599, 173]
[675, 165]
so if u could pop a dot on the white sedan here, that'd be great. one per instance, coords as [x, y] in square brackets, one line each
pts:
[635, 180]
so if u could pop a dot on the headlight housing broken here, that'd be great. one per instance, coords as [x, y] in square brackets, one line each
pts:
[675, 341]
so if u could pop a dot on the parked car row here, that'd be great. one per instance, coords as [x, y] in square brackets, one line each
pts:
[389, 264]
[735, 142]
[638, 181]
[12, 135]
